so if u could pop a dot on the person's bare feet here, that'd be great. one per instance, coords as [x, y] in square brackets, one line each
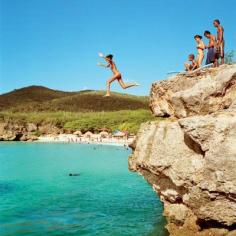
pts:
[107, 95]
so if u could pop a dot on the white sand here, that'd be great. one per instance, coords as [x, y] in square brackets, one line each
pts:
[71, 138]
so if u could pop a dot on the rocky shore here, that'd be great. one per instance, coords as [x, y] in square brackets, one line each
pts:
[190, 160]
[13, 131]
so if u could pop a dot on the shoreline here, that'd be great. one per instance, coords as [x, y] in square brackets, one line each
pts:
[70, 138]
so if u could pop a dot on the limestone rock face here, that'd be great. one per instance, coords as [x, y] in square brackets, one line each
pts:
[31, 127]
[48, 129]
[13, 131]
[187, 95]
[191, 162]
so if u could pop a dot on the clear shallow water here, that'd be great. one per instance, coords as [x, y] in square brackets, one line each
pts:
[38, 197]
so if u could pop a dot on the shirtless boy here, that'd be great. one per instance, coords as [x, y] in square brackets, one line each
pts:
[200, 50]
[192, 65]
[211, 55]
[116, 74]
[220, 43]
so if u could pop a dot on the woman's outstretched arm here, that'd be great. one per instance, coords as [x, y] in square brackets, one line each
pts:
[102, 65]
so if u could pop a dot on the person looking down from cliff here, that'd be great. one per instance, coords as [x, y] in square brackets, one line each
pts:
[211, 55]
[200, 50]
[116, 74]
[220, 43]
[192, 65]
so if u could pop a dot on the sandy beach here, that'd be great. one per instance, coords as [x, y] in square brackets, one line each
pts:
[71, 138]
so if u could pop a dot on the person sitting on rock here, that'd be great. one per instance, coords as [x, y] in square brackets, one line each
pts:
[192, 64]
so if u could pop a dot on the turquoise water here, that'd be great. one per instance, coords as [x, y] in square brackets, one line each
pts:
[38, 197]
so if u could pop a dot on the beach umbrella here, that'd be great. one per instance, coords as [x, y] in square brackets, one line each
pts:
[88, 134]
[119, 134]
[104, 134]
[116, 131]
[78, 133]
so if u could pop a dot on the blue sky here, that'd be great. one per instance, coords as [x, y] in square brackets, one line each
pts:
[54, 43]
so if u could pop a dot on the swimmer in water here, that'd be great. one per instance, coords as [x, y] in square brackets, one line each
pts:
[74, 174]
[116, 74]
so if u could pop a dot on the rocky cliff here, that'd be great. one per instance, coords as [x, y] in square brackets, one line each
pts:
[21, 131]
[190, 160]
[197, 93]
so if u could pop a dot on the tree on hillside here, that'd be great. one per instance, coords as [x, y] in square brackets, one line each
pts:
[229, 57]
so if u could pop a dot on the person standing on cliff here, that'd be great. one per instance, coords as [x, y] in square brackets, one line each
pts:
[220, 43]
[200, 50]
[211, 55]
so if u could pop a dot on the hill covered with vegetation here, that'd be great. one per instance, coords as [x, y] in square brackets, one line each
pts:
[70, 111]
[42, 99]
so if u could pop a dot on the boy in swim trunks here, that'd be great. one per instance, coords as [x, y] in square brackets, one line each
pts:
[220, 43]
[116, 74]
[192, 65]
[211, 55]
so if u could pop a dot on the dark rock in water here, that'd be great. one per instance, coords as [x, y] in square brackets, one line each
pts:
[75, 174]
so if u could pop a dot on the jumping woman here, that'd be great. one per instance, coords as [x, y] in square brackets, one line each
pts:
[116, 74]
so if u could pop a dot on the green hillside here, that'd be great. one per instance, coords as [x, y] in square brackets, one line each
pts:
[42, 99]
[82, 110]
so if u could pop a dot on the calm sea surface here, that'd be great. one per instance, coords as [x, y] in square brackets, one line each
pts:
[38, 197]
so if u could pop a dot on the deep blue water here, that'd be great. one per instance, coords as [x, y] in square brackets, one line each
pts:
[38, 197]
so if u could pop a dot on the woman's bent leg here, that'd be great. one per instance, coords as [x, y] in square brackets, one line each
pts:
[109, 84]
[125, 86]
